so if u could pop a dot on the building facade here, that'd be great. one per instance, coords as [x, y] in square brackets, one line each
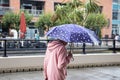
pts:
[107, 11]
[116, 17]
[37, 7]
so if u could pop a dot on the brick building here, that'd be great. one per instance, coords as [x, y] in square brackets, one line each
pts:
[36, 7]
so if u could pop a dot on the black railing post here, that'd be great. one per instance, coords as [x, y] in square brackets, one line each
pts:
[84, 48]
[114, 44]
[5, 54]
[106, 42]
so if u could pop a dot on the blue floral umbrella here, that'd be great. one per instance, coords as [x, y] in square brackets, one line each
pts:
[73, 33]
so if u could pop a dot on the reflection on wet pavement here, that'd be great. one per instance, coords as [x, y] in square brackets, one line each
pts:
[94, 73]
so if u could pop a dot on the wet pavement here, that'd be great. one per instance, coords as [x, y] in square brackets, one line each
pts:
[94, 73]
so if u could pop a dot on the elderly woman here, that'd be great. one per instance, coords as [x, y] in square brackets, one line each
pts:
[56, 60]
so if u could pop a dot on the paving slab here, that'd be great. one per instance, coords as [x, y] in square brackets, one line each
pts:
[94, 73]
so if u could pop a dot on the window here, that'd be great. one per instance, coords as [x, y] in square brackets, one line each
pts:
[115, 15]
[4, 2]
[115, 1]
[33, 7]
[101, 8]
[115, 29]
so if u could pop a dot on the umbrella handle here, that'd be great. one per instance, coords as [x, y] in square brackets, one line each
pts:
[71, 51]
[70, 47]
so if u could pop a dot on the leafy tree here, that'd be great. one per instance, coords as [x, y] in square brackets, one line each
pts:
[91, 6]
[96, 22]
[69, 13]
[44, 21]
[77, 12]
[11, 19]
[61, 15]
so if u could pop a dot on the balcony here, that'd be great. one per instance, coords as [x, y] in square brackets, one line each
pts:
[34, 12]
[3, 10]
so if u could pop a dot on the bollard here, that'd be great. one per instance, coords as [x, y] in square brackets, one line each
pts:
[114, 48]
[84, 48]
[5, 54]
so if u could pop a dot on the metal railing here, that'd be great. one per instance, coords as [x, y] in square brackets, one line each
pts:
[34, 12]
[18, 46]
[3, 10]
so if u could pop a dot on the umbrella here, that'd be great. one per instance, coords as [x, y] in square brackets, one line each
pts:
[22, 26]
[73, 33]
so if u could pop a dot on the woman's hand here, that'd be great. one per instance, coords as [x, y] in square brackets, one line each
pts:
[46, 78]
[70, 56]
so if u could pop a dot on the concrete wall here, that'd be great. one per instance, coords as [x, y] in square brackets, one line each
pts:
[28, 63]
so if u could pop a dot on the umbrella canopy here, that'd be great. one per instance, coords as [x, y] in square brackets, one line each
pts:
[73, 33]
[22, 26]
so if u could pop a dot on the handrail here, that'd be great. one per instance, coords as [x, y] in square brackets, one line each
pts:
[34, 12]
[31, 44]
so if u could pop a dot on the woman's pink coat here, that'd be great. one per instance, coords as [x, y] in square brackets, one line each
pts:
[55, 61]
